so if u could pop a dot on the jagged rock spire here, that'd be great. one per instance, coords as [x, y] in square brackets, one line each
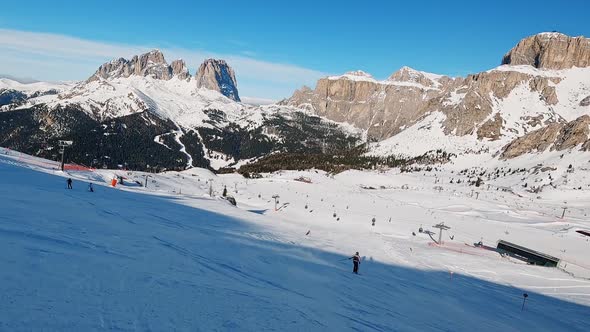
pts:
[152, 64]
[215, 74]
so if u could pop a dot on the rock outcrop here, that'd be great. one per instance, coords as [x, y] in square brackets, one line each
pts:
[410, 75]
[550, 50]
[471, 106]
[151, 64]
[536, 141]
[213, 74]
[385, 108]
[179, 69]
[217, 75]
[555, 137]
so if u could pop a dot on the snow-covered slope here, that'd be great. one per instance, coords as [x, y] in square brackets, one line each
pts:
[518, 113]
[14, 94]
[169, 257]
[572, 86]
[428, 135]
[202, 121]
[145, 83]
[175, 99]
[30, 88]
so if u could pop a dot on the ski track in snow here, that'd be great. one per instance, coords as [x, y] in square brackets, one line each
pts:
[177, 135]
[157, 140]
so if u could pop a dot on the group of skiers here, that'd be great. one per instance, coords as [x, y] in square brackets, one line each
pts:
[69, 183]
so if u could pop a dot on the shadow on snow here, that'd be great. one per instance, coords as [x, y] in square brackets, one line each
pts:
[74, 260]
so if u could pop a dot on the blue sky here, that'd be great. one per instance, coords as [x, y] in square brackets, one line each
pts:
[276, 46]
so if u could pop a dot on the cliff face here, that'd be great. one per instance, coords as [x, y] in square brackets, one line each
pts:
[555, 137]
[550, 50]
[475, 105]
[217, 75]
[179, 69]
[385, 108]
[381, 107]
[472, 106]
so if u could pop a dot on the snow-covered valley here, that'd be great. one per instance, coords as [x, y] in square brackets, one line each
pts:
[171, 257]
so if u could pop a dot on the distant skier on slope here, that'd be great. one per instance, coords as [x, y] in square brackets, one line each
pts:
[90, 187]
[356, 260]
[69, 181]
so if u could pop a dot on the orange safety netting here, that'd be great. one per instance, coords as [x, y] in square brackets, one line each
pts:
[76, 167]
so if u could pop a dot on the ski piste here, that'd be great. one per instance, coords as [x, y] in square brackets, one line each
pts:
[174, 255]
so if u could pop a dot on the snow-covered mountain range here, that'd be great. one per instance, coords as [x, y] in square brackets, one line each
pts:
[145, 113]
[537, 100]
[545, 79]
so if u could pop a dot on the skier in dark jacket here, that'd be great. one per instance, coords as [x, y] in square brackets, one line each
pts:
[356, 260]
[69, 183]
[90, 187]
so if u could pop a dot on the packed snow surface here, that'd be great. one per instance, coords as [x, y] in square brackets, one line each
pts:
[170, 257]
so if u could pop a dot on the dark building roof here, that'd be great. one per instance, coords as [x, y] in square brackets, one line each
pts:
[532, 256]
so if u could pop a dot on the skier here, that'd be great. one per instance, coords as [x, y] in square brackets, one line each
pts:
[90, 187]
[69, 181]
[224, 191]
[356, 260]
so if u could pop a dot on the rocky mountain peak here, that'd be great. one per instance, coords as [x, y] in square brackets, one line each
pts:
[179, 69]
[155, 56]
[359, 73]
[550, 50]
[481, 104]
[150, 64]
[354, 75]
[217, 75]
[407, 74]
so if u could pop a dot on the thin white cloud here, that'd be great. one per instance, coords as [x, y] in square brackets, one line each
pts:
[60, 46]
[257, 101]
[55, 57]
